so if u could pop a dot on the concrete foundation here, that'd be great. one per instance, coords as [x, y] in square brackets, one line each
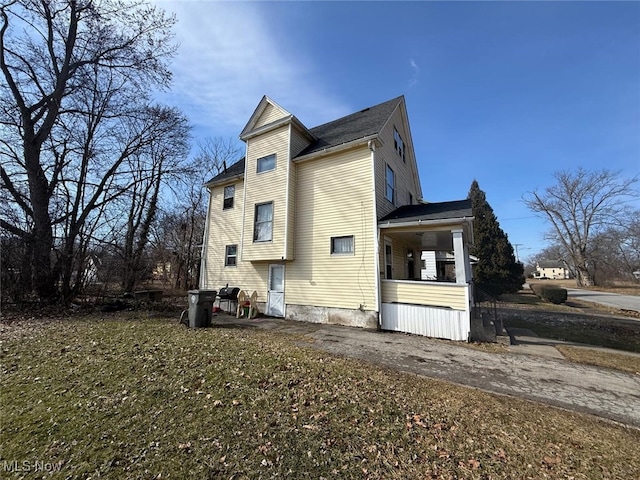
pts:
[333, 316]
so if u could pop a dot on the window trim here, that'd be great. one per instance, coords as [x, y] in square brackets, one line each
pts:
[399, 144]
[266, 157]
[255, 222]
[225, 198]
[228, 256]
[342, 254]
[386, 184]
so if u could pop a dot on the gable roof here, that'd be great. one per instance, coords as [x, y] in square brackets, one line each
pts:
[430, 211]
[366, 122]
[550, 264]
[235, 170]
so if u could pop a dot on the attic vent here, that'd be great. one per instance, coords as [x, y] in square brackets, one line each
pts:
[364, 110]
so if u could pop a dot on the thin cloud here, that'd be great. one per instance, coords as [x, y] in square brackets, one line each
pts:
[228, 59]
[413, 80]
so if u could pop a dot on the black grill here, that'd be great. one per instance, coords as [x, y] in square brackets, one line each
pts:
[229, 295]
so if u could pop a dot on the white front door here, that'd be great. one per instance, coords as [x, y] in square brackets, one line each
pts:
[275, 295]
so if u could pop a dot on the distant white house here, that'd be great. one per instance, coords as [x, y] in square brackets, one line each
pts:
[551, 269]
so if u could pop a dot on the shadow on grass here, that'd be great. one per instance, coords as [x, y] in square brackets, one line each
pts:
[603, 331]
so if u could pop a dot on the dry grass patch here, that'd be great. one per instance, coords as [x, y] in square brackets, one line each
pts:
[587, 356]
[144, 398]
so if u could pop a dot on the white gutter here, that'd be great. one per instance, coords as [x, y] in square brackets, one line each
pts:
[426, 223]
[376, 234]
[286, 200]
[244, 197]
[222, 181]
[336, 148]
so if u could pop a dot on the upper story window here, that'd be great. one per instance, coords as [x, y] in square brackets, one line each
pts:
[263, 222]
[410, 199]
[398, 144]
[266, 163]
[390, 192]
[229, 193]
[342, 245]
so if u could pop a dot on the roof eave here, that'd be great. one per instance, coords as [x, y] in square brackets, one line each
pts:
[426, 223]
[214, 183]
[336, 148]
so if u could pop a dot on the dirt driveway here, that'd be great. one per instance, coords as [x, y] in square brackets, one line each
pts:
[606, 393]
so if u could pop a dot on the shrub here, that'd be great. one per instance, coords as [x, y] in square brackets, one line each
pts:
[554, 295]
[550, 293]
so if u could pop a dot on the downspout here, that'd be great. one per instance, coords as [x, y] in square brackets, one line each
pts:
[286, 201]
[244, 196]
[376, 234]
[205, 244]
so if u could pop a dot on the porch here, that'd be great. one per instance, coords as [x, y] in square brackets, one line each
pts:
[440, 306]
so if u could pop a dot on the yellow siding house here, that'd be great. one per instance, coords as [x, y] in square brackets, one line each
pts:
[328, 224]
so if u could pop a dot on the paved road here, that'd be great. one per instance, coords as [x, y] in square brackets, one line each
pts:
[625, 302]
[606, 393]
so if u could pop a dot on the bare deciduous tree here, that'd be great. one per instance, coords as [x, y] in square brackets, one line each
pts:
[581, 206]
[68, 67]
[181, 230]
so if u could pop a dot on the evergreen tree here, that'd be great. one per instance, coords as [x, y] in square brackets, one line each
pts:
[497, 270]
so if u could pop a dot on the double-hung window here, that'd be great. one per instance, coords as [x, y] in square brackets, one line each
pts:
[390, 192]
[230, 255]
[398, 144]
[267, 163]
[263, 222]
[229, 193]
[342, 245]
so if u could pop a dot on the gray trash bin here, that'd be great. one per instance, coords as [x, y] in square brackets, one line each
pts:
[200, 307]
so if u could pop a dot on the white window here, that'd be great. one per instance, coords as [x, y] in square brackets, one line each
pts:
[230, 255]
[398, 144]
[263, 224]
[390, 193]
[410, 199]
[388, 261]
[342, 245]
[266, 163]
[229, 193]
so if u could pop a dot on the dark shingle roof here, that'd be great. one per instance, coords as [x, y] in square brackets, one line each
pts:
[231, 171]
[430, 211]
[368, 121]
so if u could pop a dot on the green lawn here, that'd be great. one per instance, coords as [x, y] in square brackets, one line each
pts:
[148, 398]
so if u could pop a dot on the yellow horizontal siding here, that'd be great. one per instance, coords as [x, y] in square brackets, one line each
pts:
[420, 293]
[264, 187]
[406, 180]
[270, 114]
[333, 198]
[224, 229]
[298, 142]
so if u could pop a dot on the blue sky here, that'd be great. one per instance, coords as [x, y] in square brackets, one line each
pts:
[503, 92]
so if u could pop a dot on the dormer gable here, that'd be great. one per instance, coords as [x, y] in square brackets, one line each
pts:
[268, 115]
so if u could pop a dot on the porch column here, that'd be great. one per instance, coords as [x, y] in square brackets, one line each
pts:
[463, 271]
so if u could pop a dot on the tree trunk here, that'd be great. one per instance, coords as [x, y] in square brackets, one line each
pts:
[584, 277]
[42, 234]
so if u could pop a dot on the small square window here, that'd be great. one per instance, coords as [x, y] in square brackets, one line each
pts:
[342, 245]
[230, 255]
[229, 193]
[266, 163]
